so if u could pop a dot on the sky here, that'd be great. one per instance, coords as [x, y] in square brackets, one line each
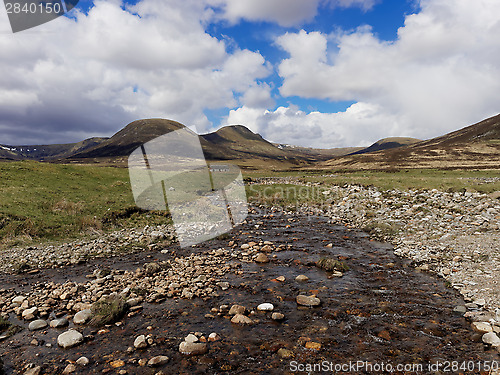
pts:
[314, 73]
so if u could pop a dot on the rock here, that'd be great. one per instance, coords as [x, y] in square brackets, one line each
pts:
[245, 246]
[266, 249]
[460, 310]
[237, 309]
[158, 361]
[241, 319]
[117, 364]
[59, 323]
[71, 368]
[140, 342]
[191, 338]
[82, 317]
[313, 345]
[151, 268]
[301, 278]
[82, 361]
[308, 300]
[213, 337]
[18, 300]
[480, 302]
[482, 327]
[69, 339]
[34, 371]
[37, 325]
[192, 348]
[281, 279]
[133, 302]
[491, 338]
[265, 307]
[29, 314]
[285, 353]
[277, 316]
[262, 258]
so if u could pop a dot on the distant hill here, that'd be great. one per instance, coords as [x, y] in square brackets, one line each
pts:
[475, 146]
[387, 143]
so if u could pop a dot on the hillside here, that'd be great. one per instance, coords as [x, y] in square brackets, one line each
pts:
[387, 143]
[475, 146]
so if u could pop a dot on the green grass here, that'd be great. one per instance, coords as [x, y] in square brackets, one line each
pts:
[41, 201]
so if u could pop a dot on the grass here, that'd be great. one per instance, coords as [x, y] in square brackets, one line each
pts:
[108, 311]
[8, 328]
[41, 201]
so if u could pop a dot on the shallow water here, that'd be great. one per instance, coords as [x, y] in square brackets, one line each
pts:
[380, 311]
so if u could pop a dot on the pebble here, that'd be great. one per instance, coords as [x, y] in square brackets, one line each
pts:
[237, 309]
[265, 307]
[277, 316]
[285, 353]
[140, 342]
[69, 339]
[191, 338]
[302, 278]
[213, 337]
[281, 278]
[34, 371]
[313, 345]
[192, 348]
[481, 327]
[59, 323]
[308, 300]
[491, 338]
[241, 319]
[29, 314]
[82, 317]
[262, 258]
[117, 364]
[82, 361]
[69, 369]
[158, 361]
[37, 325]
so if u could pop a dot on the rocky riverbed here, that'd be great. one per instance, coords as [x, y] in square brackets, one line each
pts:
[285, 288]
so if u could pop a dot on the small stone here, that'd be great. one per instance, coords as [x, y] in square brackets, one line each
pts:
[308, 300]
[245, 246]
[37, 325]
[140, 342]
[191, 338]
[34, 342]
[285, 353]
[262, 258]
[69, 339]
[213, 337]
[480, 302]
[82, 317]
[59, 323]
[460, 310]
[237, 309]
[491, 338]
[482, 327]
[277, 316]
[71, 368]
[142, 362]
[82, 361]
[117, 363]
[301, 278]
[29, 314]
[313, 345]
[18, 300]
[192, 348]
[281, 278]
[265, 307]
[34, 371]
[241, 319]
[158, 361]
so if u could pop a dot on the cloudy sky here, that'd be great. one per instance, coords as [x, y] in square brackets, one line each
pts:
[321, 73]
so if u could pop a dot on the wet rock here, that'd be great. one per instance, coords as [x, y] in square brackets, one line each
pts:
[277, 316]
[29, 314]
[158, 361]
[59, 323]
[140, 342]
[191, 338]
[491, 338]
[265, 307]
[482, 327]
[308, 300]
[69, 339]
[460, 310]
[301, 278]
[37, 325]
[237, 309]
[71, 368]
[262, 258]
[82, 317]
[82, 361]
[241, 319]
[192, 348]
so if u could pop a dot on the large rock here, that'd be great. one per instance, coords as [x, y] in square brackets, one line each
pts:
[82, 317]
[70, 339]
[37, 325]
[192, 348]
[308, 300]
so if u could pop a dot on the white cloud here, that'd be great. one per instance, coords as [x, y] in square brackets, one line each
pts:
[440, 74]
[92, 74]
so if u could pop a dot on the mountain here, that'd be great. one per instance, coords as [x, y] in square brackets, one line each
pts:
[475, 146]
[387, 143]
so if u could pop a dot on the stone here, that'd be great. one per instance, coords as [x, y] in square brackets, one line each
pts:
[245, 246]
[265, 307]
[34, 371]
[460, 310]
[237, 309]
[152, 268]
[18, 300]
[158, 361]
[192, 348]
[480, 302]
[82, 361]
[117, 364]
[82, 317]
[281, 279]
[241, 319]
[36, 325]
[277, 316]
[262, 258]
[301, 278]
[140, 342]
[191, 338]
[69, 339]
[29, 314]
[308, 300]
[71, 368]
[59, 323]
[491, 338]
[482, 327]
[313, 345]
[285, 353]
[213, 337]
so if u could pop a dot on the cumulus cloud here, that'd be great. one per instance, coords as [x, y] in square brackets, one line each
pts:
[441, 73]
[91, 74]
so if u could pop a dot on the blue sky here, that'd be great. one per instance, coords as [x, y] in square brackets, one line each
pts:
[319, 73]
